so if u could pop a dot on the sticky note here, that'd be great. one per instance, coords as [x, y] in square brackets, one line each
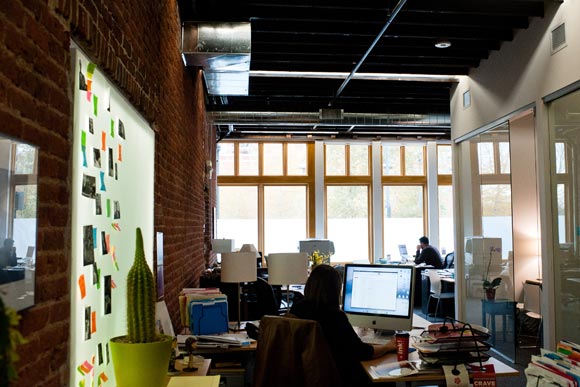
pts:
[103, 140]
[84, 153]
[103, 188]
[94, 237]
[120, 152]
[108, 242]
[103, 377]
[82, 286]
[112, 128]
[93, 321]
[91, 69]
[86, 367]
[98, 278]
[108, 208]
[83, 138]
[113, 284]
[96, 105]
[116, 226]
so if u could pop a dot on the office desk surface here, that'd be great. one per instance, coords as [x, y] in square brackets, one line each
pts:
[501, 370]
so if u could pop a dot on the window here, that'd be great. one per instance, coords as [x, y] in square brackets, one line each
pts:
[238, 219]
[273, 160]
[248, 159]
[284, 218]
[347, 160]
[402, 217]
[263, 194]
[348, 221]
[225, 159]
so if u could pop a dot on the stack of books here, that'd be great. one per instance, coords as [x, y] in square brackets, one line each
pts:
[560, 368]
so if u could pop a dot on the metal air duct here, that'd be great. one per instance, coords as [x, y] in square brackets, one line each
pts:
[223, 51]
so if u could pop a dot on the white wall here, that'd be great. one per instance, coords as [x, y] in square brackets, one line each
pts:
[521, 73]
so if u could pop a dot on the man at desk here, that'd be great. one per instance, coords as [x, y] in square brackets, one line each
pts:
[428, 254]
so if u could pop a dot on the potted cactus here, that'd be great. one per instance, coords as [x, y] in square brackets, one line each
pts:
[141, 358]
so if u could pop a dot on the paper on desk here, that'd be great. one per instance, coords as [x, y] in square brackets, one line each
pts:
[208, 341]
[198, 381]
[395, 370]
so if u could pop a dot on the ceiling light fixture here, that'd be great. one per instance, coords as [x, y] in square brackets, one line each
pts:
[443, 44]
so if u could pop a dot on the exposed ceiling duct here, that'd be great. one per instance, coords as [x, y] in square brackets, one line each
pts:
[223, 51]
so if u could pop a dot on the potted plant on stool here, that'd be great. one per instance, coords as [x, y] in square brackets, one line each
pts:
[490, 287]
[141, 358]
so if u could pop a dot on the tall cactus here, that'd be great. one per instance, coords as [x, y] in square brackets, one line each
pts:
[140, 297]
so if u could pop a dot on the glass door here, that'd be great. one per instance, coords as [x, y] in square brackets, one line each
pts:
[487, 246]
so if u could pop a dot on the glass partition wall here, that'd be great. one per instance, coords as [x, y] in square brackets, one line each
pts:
[564, 122]
[486, 196]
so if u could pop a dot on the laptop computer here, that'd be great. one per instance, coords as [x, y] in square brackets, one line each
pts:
[404, 255]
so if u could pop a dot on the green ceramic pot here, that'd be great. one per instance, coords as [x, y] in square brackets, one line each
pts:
[141, 364]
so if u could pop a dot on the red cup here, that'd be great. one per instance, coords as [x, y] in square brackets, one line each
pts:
[402, 342]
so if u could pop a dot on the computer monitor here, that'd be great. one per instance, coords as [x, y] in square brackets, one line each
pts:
[379, 296]
[404, 255]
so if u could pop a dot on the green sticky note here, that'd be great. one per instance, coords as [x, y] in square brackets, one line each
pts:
[108, 208]
[98, 278]
[95, 105]
[112, 128]
[91, 69]
[83, 138]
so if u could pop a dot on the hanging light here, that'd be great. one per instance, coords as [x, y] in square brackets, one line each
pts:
[443, 43]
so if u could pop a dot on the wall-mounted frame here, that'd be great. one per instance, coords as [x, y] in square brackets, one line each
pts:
[18, 207]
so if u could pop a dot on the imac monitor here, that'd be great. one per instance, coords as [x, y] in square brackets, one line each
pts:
[404, 255]
[379, 296]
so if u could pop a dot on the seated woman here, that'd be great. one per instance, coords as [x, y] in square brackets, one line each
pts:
[322, 303]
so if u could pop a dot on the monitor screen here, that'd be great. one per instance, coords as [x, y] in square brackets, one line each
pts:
[379, 296]
[403, 250]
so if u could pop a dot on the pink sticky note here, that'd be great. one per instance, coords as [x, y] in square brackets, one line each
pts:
[108, 242]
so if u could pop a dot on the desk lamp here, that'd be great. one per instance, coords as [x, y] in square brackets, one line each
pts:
[287, 269]
[236, 268]
[249, 248]
[220, 246]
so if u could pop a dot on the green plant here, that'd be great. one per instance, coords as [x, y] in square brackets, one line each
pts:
[10, 338]
[140, 297]
[494, 283]
[317, 258]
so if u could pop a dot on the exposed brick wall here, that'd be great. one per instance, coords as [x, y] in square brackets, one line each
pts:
[137, 44]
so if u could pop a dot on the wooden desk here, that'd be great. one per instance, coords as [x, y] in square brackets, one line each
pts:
[233, 364]
[501, 370]
[202, 369]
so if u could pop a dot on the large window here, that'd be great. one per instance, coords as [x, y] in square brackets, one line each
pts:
[268, 193]
[263, 193]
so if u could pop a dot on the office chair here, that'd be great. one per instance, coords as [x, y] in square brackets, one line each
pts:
[530, 311]
[293, 352]
[261, 299]
[435, 290]
[448, 262]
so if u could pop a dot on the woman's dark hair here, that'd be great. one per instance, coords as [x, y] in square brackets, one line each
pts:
[323, 287]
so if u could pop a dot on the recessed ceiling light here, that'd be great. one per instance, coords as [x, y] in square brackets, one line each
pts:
[443, 44]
